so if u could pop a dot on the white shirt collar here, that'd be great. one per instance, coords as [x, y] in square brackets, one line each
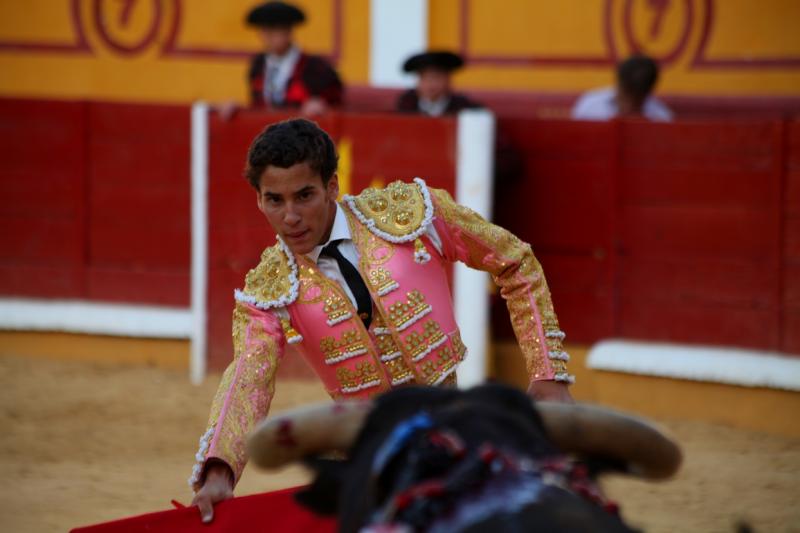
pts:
[340, 231]
[275, 85]
[434, 108]
[291, 56]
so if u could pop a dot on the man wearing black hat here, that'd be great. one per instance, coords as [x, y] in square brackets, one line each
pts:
[284, 76]
[433, 96]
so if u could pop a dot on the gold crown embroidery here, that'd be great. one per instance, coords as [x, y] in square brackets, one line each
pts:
[364, 376]
[336, 309]
[445, 362]
[349, 345]
[428, 368]
[458, 344]
[387, 347]
[404, 314]
[419, 345]
[382, 281]
[399, 371]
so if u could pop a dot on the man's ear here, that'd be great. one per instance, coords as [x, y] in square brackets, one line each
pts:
[333, 187]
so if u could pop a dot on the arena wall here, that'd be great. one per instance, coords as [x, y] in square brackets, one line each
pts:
[668, 232]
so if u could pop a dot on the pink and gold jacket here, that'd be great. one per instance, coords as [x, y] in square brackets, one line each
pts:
[413, 337]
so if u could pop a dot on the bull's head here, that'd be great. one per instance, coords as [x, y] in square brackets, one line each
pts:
[381, 441]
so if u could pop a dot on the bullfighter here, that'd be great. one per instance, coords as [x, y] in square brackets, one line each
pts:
[360, 288]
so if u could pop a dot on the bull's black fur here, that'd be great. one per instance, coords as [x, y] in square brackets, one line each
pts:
[495, 414]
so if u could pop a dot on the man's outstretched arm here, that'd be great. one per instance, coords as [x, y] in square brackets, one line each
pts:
[243, 398]
[469, 238]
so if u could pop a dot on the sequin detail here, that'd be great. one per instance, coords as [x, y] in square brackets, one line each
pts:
[200, 458]
[274, 282]
[399, 212]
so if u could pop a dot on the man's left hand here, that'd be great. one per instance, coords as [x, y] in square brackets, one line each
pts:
[553, 391]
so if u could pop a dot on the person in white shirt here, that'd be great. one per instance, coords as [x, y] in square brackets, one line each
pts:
[631, 97]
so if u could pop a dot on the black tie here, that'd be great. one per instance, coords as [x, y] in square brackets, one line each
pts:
[353, 279]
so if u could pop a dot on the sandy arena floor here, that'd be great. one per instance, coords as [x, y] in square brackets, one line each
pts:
[85, 443]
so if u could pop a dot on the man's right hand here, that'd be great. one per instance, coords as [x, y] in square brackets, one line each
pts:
[217, 486]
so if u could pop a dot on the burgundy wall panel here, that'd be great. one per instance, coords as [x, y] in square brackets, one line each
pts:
[42, 198]
[690, 321]
[791, 241]
[699, 232]
[678, 226]
[140, 190]
[685, 232]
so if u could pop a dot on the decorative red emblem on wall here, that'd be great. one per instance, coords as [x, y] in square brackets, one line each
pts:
[622, 35]
[113, 23]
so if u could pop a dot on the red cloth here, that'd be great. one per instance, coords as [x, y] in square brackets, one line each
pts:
[268, 512]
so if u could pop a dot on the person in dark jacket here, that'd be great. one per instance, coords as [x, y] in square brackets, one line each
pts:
[284, 76]
[434, 95]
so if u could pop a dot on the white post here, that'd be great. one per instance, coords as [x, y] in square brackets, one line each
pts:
[199, 269]
[398, 29]
[474, 186]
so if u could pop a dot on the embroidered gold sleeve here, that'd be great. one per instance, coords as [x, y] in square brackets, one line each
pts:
[245, 392]
[485, 246]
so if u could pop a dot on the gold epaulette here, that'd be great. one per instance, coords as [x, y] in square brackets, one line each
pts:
[399, 212]
[274, 282]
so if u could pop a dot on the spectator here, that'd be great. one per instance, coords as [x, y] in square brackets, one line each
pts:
[433, 96]
[636, 78]
[284, 76]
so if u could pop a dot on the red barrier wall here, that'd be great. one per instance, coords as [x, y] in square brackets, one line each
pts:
[791, 241]
[688, 232]
[95, 201]
[661, 231]
[43, 198]
[139, 204]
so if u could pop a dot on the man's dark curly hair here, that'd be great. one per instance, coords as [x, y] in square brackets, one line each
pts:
[285, 144]
[637, 76]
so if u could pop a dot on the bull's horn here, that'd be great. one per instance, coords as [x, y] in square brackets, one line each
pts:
[306, 431]
[597, 431]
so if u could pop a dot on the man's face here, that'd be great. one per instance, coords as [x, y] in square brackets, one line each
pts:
[277, 40]
[433, 84]
[298, 206]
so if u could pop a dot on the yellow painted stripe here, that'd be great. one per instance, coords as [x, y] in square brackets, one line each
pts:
[160, 353]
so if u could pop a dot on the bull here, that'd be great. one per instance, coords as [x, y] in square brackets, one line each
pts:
[487, 459]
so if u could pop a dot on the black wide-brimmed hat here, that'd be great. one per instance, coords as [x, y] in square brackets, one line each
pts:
[442, 60]
[275, 15]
